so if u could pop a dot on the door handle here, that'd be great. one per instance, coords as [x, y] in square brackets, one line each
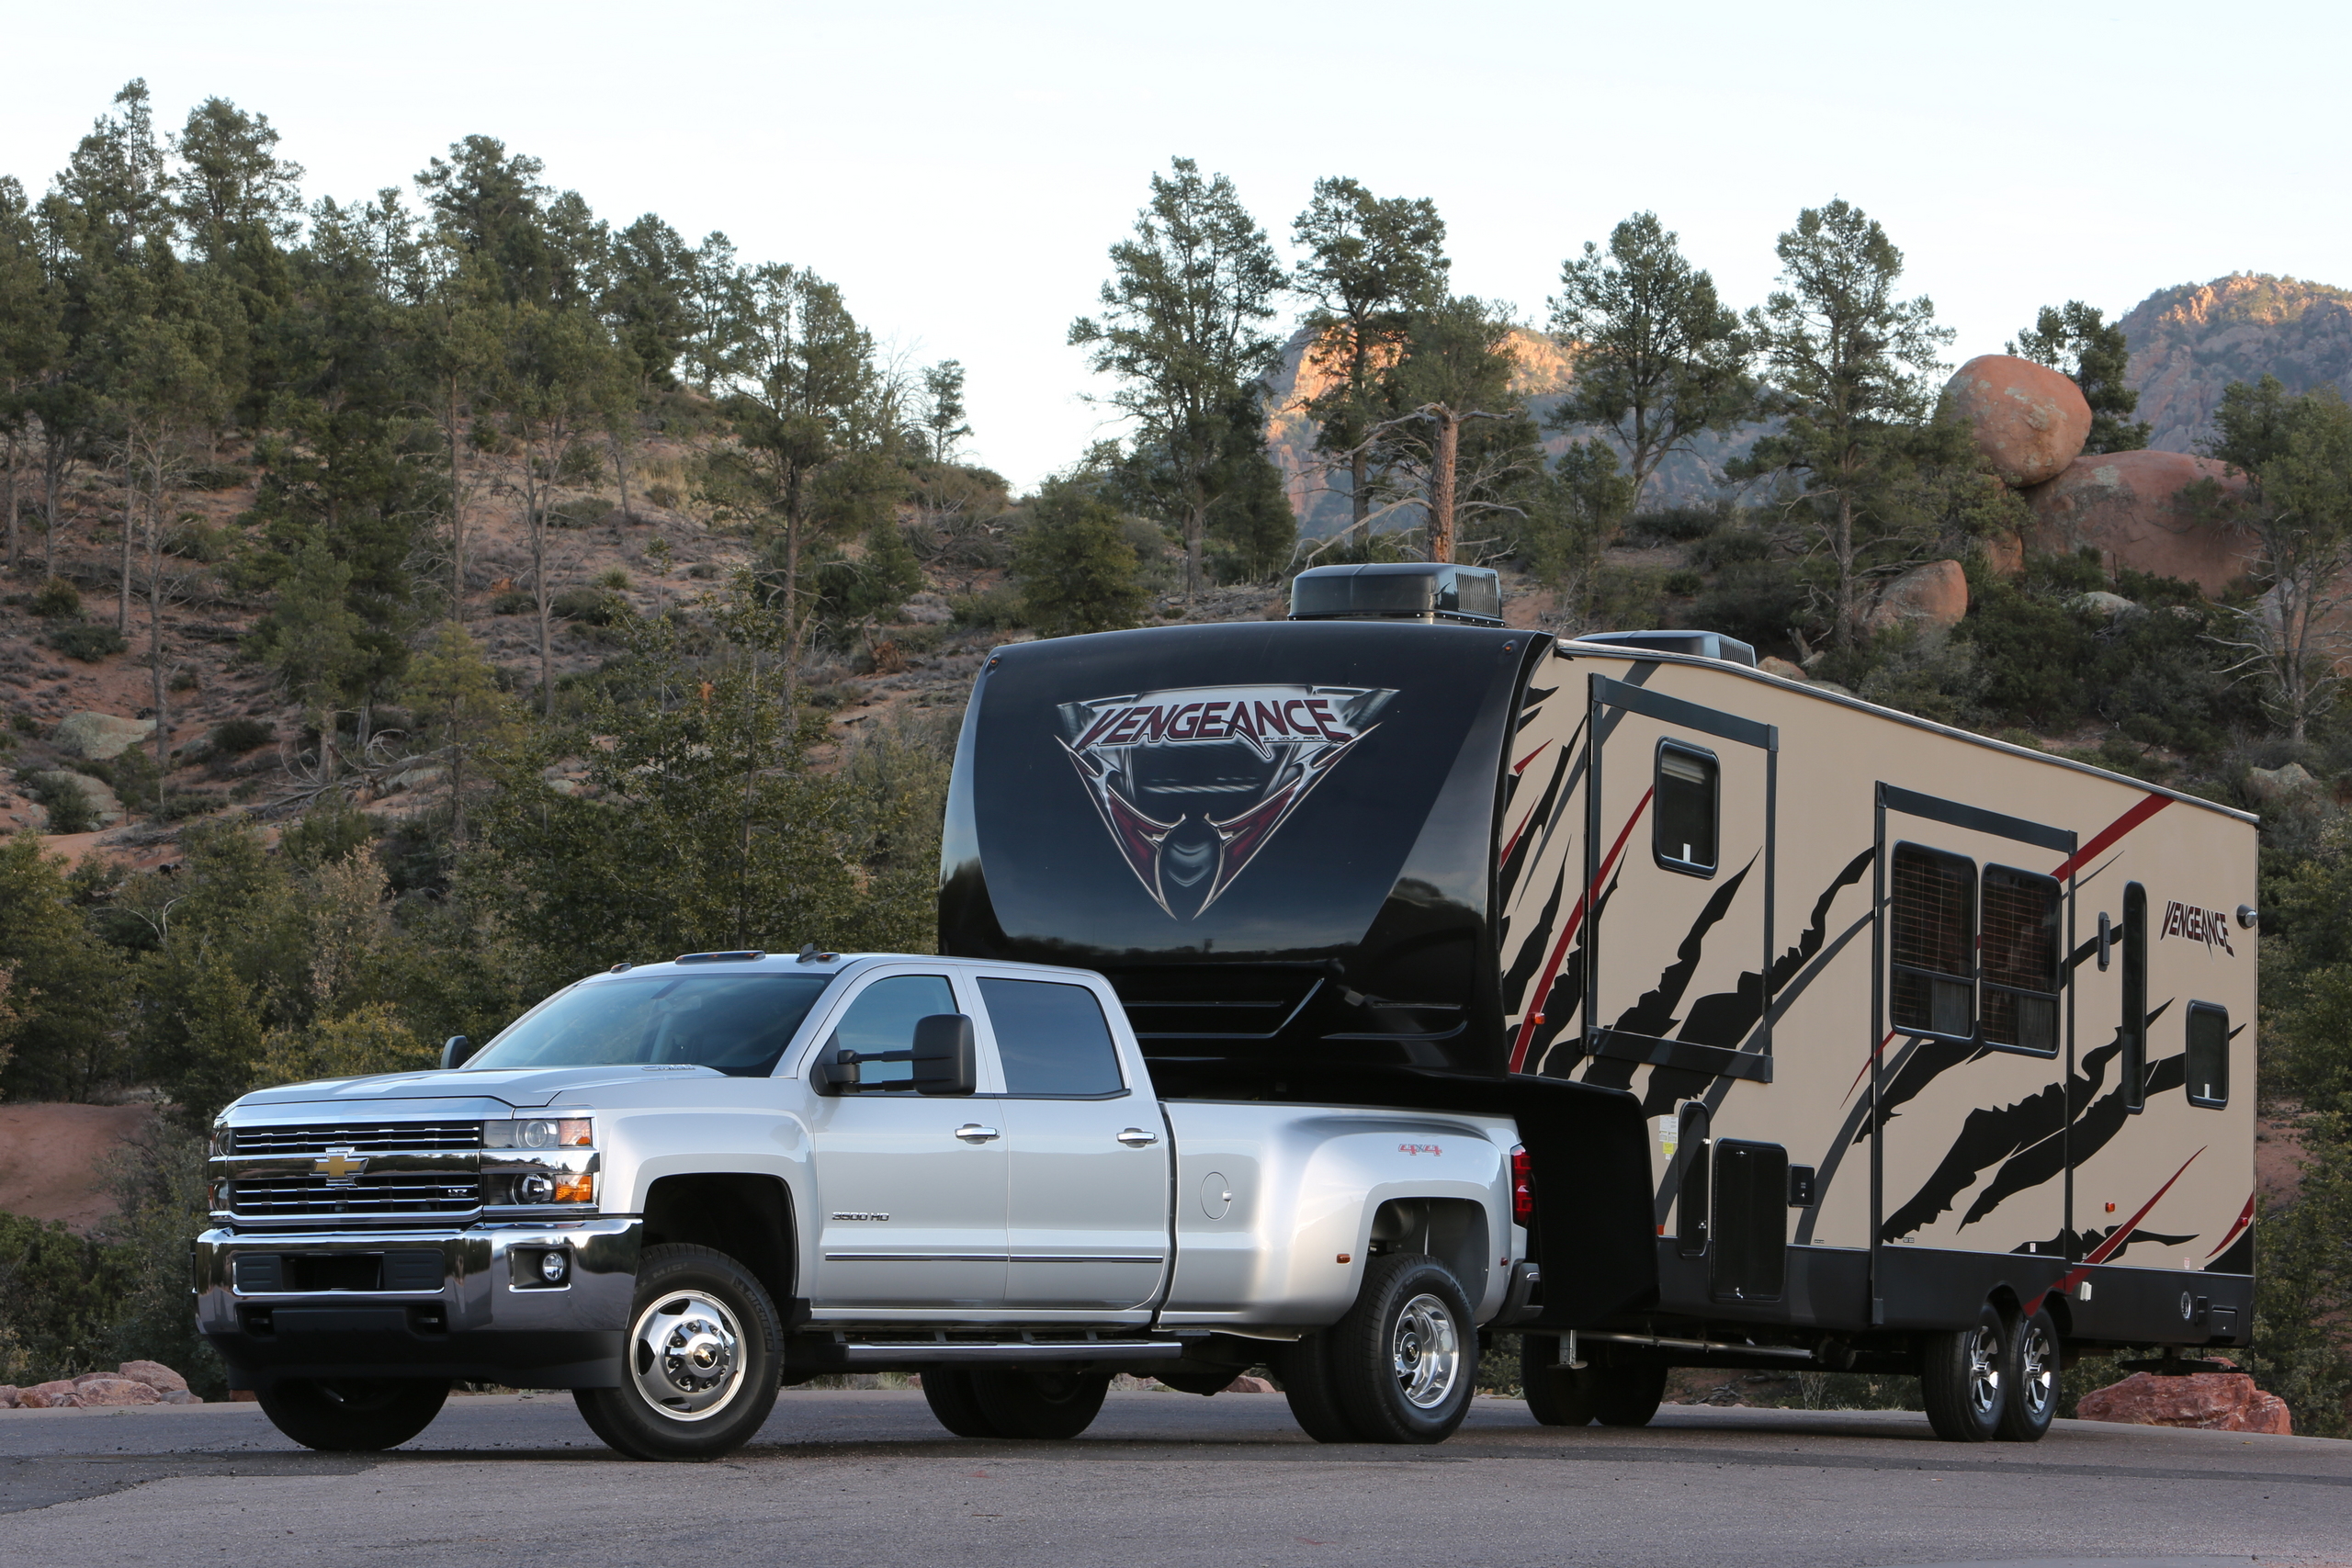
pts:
[973, 1133]
[1136, 1138]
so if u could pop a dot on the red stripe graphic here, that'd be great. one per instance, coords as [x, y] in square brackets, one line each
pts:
[2122, 1233]
[1521, 766]
[2106, 836]
[1866, 1068]
[1568, 932]
[2245, 1218]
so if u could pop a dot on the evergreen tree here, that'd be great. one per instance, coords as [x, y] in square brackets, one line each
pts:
[2075, 339]
[1371, 263]
[454, 690]
[943, 418]
[1456, 441]
[1077, 571]
[1659, 359]
[32, 349]
[1181, 331]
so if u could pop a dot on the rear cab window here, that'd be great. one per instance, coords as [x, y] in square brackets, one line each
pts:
[1052, 1040]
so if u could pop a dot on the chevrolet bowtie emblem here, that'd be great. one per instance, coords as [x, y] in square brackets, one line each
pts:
[339, 1168]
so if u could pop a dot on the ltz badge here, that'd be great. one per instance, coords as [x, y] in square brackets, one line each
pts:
[1192, 783]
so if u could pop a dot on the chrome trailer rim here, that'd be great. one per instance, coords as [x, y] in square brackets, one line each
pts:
[686, 1356]
[1428, 1352]
[1984, 1373]
[2037, 1369]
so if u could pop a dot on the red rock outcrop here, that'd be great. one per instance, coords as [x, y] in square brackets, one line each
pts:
[2189, 344]
[2028, 420]
[2128, 506]
[1933, 597]
[155, 1374]
[2214, 1402]
[48, 1396]
[97, 1389]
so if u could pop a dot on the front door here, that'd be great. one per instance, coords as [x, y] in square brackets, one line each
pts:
[911, 1188]
[1089, 1213]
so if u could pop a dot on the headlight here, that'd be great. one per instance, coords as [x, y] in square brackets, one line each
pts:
[538, 1132]
[219, 1145]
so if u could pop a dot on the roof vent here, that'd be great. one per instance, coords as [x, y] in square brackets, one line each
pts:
[1403, 591]
[1697, 645]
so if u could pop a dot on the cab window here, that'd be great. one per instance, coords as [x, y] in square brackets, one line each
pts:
[883, 1018]
[1051, 1039]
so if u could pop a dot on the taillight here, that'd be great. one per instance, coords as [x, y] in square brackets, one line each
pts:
[1523, 1185]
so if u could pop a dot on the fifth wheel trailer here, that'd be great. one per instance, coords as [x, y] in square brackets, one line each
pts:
[1837, 1039]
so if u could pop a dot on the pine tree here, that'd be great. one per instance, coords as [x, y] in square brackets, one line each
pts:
[1077, 571]
[2075, 339]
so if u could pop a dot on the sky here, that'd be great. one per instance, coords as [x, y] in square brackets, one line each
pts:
[960, 171]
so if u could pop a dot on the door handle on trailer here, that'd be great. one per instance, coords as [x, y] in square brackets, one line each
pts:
[973, 1133]
[1136, 1138]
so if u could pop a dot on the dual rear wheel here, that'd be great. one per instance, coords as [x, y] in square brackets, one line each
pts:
[1398, 1367]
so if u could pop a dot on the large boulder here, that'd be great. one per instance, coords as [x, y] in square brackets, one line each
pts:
[96, 1389]
[1931, 598]
[101, 797]
[155, 1374]
[2129, 507]
[2028, 420]
[2215, 1402]
[100, 736]
[55, 1395]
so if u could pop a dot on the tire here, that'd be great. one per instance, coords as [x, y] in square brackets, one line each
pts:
[1962, 1379]
[948, 1391]
[1556, 1395]
[353, 1415]
[1045, 1402]
[1305, 1368]
[2033, 1380]
[701, 1361]
[1404, 1358]
[1627, 1396]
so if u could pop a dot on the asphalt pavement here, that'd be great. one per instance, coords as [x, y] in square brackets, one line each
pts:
[867, 1477]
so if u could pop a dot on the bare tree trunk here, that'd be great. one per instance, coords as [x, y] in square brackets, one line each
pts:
[1359, 487]
[1196, 527]
[456, 513]
[122, 599]
[12, 502]
[620, 471]
[52, 476]
[155, 633]
[1849, 609]
[1442, 470]
[535, 523]
[458, 796]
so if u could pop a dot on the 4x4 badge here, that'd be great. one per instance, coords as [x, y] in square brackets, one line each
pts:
[1193, 781]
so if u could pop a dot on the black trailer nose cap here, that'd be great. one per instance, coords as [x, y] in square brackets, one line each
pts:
[1398, 591]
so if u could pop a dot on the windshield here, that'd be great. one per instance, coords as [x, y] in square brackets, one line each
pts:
[737, 1023]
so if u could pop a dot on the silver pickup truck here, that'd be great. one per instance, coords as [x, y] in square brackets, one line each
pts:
[675, 1186]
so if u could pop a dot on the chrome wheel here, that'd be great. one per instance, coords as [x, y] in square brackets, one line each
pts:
[686, 1355]
[1985, 1374]
[1427, 1351]
[2036, 1369]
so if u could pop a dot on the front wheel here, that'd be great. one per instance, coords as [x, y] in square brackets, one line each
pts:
[2033, 1380]
[1403, 1358]
[353, 1415]
[700, 1360]
[1961, 1379]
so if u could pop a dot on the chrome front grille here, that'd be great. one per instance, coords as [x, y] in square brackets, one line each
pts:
[404, 1192]
[419, 1136]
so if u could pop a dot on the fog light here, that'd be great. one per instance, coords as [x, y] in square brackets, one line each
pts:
[537, 1189]
[554, 1267]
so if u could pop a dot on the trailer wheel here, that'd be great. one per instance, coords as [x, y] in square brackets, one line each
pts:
[955, 1404]
[353, 1415]
[1557, 1396]
[1305, 1370]
[1628, 1395]
[1962, 1381]
[1405, 1356]
[700, 1359]
[2033, 1380]
[1052, 1403]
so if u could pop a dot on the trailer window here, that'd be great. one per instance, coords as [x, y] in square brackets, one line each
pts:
[2209, 1056]
[2020, 960]
[2131, 1032]
[1935, 936]
[1683, 816]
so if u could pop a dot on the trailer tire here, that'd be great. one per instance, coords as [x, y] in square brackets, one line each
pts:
[1049, 1403]
[1963, 1380]
[1305, 1366]
[1405, 1358]
[2033, 1379]
[1556, 1395]
[693, 1308]
[1627, 1396]
[954, 1403]
[353, 1415]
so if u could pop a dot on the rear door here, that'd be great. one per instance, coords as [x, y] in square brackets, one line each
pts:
[1088, 1216]
[911, 1188]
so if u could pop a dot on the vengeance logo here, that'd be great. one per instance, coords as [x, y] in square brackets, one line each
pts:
[1192, 783]
[2210, 927]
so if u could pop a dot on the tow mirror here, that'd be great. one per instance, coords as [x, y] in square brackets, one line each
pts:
[943, 1060]
[946, 1059]
[454, 1052]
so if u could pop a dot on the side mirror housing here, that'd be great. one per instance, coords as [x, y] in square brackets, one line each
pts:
[454, 1052]
[945, 1056]
[838, 1073]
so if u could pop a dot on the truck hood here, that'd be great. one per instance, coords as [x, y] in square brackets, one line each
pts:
[521, 1088]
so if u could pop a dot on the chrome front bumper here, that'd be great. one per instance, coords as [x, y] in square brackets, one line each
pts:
[469, 1304]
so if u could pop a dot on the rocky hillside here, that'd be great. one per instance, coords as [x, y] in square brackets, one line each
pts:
[2189, 343]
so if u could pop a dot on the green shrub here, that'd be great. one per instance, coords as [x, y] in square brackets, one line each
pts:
[87, 641]
[590, 606]
[1676, 526]
[220, 476]
[235, 737]
[60, 1289]
[56, 600]
[513, 601]
[1754, 601]
[68, 809]
[997, 609]
[24, 724]
[1686, 584]
[1734, 545]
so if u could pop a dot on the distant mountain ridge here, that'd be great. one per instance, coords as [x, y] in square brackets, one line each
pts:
[2189, 343]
